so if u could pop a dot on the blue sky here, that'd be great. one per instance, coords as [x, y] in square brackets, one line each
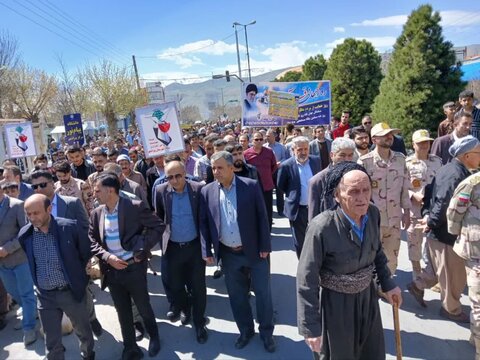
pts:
[190, 40]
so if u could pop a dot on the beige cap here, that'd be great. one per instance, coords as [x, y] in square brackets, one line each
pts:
[421, 135]
[382, 129]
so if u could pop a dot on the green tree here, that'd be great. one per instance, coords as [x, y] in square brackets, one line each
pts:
[420, 76]
[354, 70]
[314, 68]
[289, 76]
[112, 90]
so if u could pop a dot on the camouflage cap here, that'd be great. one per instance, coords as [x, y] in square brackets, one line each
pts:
[382, 129]
[421, 136]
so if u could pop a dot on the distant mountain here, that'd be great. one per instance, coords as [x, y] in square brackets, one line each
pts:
[208, 94]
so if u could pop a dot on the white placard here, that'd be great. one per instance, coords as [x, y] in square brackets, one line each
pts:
[20, 140]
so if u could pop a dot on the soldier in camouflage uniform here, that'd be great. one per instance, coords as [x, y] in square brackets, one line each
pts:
[69, 186]
[463, 216]
[421, 167]
[390, 185]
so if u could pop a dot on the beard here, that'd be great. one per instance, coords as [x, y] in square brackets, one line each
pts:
[238, 164]
[362, 146]
[63, 182]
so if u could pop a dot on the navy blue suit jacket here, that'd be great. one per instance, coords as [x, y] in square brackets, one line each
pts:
[73, 249]
[288, 180]
[251, 217]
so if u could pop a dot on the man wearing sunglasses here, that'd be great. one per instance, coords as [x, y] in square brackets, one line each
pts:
[178, 205]
[13, 173]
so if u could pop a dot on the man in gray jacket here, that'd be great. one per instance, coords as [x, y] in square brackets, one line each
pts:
[14, 271]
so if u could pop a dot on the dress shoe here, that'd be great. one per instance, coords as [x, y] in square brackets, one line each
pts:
[139, 331]
[96, 327]
[243, 340]
[202, 334]
[460, 318]
[153, 347]
[185, 316]
[132, 354]
[91, 356]
[416, 293]
[173, 314]
[269, 344]
[29, 337]
[218, 273]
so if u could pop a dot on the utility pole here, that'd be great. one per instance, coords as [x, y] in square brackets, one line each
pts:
[238, 51]
[136, 72]
[246, 43]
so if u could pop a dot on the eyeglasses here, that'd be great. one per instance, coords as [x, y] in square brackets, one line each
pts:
[367, 123]
[41, 185]
[257, 139]
[176, 176]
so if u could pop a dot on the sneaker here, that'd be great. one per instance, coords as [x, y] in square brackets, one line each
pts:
[29, 337]
[460, 318]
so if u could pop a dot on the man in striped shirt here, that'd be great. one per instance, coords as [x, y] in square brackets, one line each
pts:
[122, 232]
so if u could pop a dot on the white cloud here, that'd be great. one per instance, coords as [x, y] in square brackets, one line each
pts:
[280, 56]
[378, 42]
[450, 18]
[397, 20]
[184, 57]
[339, 29]
[169, 77]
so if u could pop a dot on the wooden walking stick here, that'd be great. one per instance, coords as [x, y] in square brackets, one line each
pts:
[396, 325]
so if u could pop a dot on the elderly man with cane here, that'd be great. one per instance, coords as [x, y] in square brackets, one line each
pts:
[342, 249]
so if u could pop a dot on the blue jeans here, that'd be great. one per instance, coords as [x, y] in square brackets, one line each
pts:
[19, 284]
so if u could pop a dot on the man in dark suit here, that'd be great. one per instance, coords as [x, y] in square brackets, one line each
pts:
[462, 124]
[71, 208]
[292, 179]
[58, 252]
[178, 205]
[234, 222]
[122, 233]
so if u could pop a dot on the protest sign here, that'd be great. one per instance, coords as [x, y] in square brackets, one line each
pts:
[20, 142]
[159, 129]
[304, 103]
[73, 129]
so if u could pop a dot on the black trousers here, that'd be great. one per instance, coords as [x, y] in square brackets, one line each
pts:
[187, 268]
[125, 285]
[299, 228]
[268, 197]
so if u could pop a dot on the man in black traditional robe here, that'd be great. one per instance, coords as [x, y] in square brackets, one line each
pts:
[342, 248]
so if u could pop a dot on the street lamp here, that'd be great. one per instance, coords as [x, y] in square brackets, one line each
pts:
[246, 43]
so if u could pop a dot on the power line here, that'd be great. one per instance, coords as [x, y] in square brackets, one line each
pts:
[68, 25]
[66, 30]
[93, 34]
[48, 29]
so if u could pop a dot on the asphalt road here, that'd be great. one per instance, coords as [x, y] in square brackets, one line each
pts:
[425, 335]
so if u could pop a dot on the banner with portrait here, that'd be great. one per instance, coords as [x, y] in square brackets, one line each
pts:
[303, 103]
[20, 141]
[160, 129]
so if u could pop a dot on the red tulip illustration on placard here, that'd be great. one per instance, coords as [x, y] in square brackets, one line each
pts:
[21, 138]
[162, 128]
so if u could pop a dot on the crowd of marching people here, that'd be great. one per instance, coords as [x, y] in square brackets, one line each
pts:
[98, 211]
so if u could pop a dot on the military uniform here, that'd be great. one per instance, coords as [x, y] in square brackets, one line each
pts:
[463, 216]
[421, 173]
[390, 185]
